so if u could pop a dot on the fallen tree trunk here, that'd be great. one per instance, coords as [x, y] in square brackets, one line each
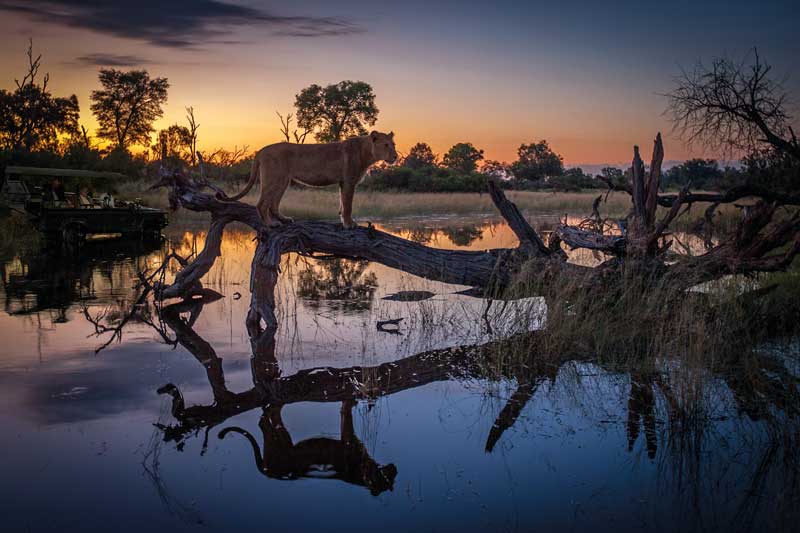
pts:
[490, 270]
[758, 244]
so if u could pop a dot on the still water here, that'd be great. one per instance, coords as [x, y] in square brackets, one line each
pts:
[148, 421]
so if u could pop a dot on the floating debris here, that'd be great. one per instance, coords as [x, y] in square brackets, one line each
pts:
[409, 296]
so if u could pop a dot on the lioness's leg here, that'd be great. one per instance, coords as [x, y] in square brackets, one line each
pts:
[266, 215]
[264, 208]
[272, 187]
[275, 207]
[346, 192]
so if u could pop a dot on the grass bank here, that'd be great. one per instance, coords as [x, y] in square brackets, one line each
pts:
[321, 204]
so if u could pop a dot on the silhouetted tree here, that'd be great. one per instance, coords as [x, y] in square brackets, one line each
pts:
[337, 111]
[286, 125]
[700, 172]
[420, 156]
[191, 138]
[30, 117]
[771, 167]
[177, 142]
[463, 157]
[730, 105]
[612, 173]
[127, 106]
[537, 161]
[496, 169]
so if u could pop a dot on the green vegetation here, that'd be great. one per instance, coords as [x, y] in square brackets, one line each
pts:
[536, 162]
[338, 111]
[462, 158]
[425, 179]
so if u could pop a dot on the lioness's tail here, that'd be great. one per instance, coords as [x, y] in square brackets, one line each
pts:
[250, 183]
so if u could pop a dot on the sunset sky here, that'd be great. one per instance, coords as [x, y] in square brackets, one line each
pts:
[586, 76]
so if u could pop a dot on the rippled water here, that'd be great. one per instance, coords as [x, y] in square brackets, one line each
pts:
[364, 429]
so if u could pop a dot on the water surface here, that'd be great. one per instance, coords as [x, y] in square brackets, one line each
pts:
[365, 428]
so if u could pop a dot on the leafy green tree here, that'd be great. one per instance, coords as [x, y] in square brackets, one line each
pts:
[701, 172]
[573, 179]
[537, 161]
[496, 169]
[31, 118]
[420, 156]
[612, 173]
[338, 111]
[463, 157]
[127, 106]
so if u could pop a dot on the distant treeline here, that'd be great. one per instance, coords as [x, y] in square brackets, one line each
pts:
[40, 129]
[462, 169]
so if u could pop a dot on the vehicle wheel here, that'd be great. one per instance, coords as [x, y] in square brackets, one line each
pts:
[73, 235]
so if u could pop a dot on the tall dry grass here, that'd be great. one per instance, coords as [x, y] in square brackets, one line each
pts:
[685, 341]
[321, 204]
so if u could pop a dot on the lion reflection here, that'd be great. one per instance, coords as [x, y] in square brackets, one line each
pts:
[651, 404]
[345, 459]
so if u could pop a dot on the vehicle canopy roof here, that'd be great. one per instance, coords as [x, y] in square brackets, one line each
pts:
[37, 176]
[62, 173]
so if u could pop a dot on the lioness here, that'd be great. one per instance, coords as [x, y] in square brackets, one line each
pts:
[317, 165]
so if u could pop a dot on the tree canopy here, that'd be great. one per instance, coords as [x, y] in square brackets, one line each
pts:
[420, 156]
[336, 111]
[176, 140]
[537, 161]
[700, 172]
[463, 157]
[31, 118]
[127, 105]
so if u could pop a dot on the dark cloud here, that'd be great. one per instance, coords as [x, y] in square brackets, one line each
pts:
[111, 60]
[174, 24]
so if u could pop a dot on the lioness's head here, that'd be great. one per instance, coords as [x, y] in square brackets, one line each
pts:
[383, 146]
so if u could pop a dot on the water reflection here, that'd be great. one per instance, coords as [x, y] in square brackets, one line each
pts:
[344, 283]
[689, 449]
[499, 436]
[55, 281]
[345, 458]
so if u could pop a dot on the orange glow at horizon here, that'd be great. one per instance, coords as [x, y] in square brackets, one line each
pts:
[425, 94]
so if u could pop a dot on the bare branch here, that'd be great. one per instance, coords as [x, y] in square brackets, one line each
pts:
[732, 107]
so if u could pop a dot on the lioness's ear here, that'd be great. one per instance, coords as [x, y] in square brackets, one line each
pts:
[373, 135]
[391, 134]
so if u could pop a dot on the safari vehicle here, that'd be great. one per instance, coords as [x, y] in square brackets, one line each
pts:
[70, 217]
